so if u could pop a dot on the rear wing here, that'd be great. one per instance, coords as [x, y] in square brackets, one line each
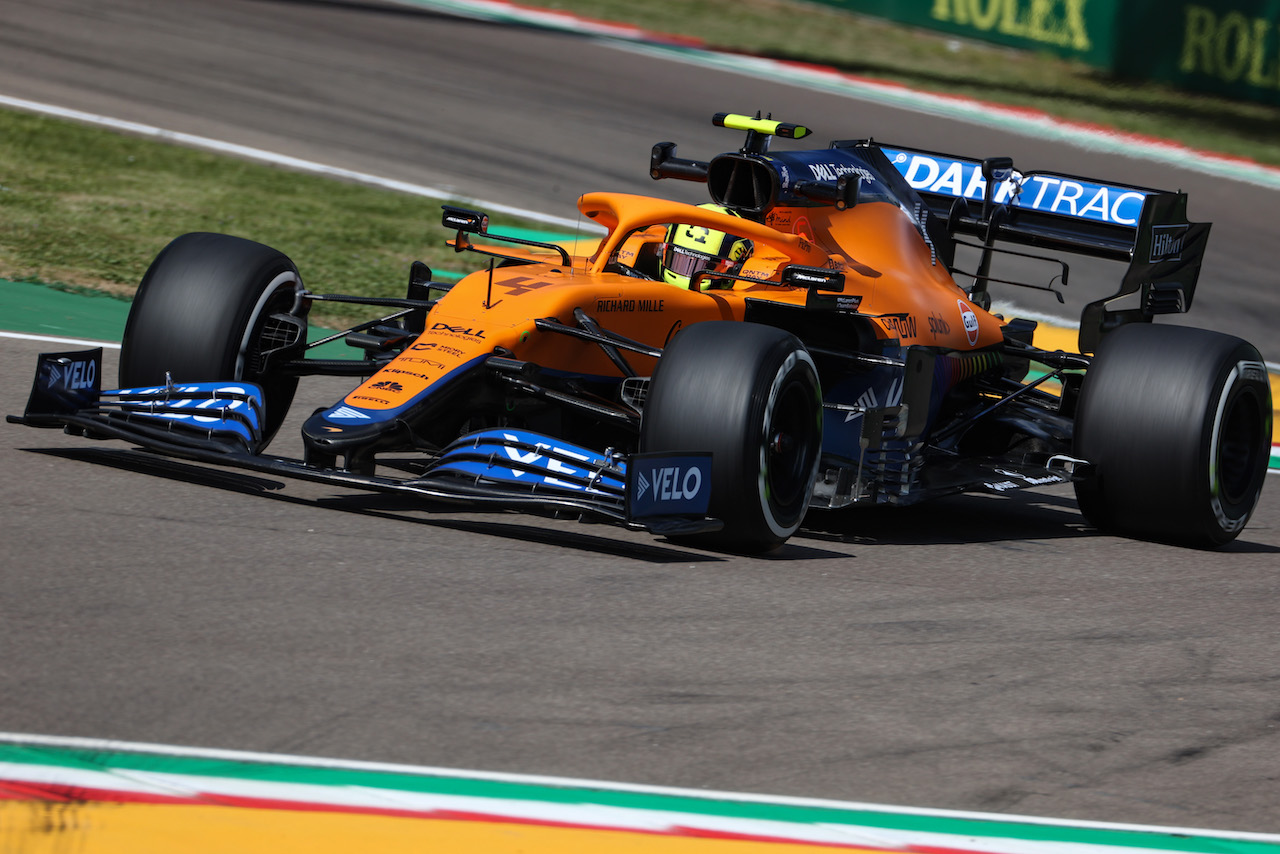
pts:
[1146, 228]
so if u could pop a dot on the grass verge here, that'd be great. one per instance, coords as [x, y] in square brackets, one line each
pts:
[86, 207]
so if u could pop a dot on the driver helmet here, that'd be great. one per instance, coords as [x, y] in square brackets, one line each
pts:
[690, 248]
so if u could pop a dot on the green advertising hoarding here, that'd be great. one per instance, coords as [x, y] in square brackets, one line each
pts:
[1078, 29]
[1225, 47]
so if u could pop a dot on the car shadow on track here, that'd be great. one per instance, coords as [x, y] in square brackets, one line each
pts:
[1023, 516]
[1040, 515]
[395, 508]
[143, 462]
[1029, 515]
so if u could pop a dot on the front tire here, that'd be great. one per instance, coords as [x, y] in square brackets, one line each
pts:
[204, 312]
[750, 395]
[1178, 423]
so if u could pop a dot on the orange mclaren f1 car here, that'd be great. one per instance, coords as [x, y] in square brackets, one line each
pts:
[710, 373]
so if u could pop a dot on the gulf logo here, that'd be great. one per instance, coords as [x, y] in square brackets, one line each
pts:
[970, 322]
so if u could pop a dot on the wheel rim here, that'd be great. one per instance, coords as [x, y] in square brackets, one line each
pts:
[1239, 447]
[791, 449]
[261, 332]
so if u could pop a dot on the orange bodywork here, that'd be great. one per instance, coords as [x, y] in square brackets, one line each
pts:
[889, 271]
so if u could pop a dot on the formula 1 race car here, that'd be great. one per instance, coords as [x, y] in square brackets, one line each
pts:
[709, 373]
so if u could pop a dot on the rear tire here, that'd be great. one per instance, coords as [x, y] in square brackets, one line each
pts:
[750, 395]
[1178, 422]
[203, 313]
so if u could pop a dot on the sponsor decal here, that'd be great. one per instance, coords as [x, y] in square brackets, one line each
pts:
[611, 305]
[530, 459]
[938, 326]
[1056, 22]
[779, 219]
[675, 327]
[346, 413]
[74, 376]
[850, 303]
[460, 331]
[550, 463]
[834, 171]
[959, 178]
[1166, 242]
[1032, 481]
[465, 221]
[1057, 194]
[403, 372]
[213, 414]
[388, 385]
[191, 403]
[1256, 371]
[801, 278]
[852, 264]
[1229, 46]
[436, 345]
[1002, 486]
[869, 400]
[970, 322]
[803, 227]
[378, 400]
[65, 382]
[904, 325]
[414, 360]
[669, 484]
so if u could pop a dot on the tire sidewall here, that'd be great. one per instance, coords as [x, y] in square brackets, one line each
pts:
[1234, 391]
[783, 520]
[197, 311]
[725, 388]
[1165, 413]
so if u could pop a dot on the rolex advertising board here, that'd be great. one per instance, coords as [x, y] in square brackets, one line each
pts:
[1226, 47]
[1077, 29]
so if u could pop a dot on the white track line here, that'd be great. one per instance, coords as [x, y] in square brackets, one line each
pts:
[80, 342]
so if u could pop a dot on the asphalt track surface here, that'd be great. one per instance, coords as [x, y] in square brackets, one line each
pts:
[978, 653]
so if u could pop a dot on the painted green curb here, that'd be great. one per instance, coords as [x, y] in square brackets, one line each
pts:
[44, 310]
[268, 776]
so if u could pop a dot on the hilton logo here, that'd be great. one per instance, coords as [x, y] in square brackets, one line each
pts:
[1166, 242]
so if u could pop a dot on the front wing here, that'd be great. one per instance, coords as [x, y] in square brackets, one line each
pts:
[221, 423]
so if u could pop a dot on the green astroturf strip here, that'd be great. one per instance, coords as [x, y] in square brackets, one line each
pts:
[43, 310]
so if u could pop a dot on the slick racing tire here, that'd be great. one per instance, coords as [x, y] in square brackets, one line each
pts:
[203, 312]
[1178, 424]
[750, 395]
